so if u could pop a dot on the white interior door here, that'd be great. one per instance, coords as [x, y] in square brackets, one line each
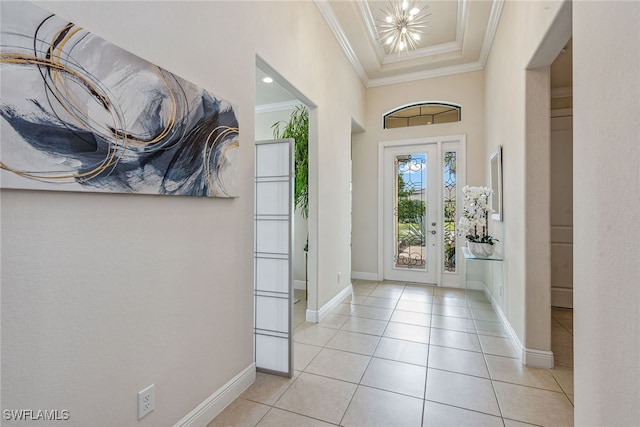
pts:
[411, 217]
[273, 262]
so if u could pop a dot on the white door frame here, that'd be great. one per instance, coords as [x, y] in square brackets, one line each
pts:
[457, 143]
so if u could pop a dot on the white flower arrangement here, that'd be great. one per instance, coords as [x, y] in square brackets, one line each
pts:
[474, 222]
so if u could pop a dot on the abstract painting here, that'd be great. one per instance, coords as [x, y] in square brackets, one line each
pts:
[78, 113]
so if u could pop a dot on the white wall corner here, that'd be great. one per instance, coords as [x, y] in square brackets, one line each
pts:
[314, 316]
[361, 275]
[218, 401]
[537, 358]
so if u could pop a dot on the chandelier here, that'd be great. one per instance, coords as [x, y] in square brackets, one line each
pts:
[403, 24]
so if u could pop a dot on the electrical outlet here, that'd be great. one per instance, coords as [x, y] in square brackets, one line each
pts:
[146, 401]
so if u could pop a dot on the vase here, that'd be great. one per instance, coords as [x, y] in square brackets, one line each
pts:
[480, 249]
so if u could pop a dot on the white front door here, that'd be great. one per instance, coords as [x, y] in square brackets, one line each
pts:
[421, 195]
[410, 218]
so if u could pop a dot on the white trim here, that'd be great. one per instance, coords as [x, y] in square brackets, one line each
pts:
[361, 275]
[299, 284]
[459, 139]
[314, 316]
[277, 106]
[438, 49]
[562, 297]
[503, 319]
[218, 401]
[492, 27]
[370, 24]
[426, 74]
[463, 11]
[330, 17]
[384, 58]
[529, 356]
[537, 358]
[420, 103]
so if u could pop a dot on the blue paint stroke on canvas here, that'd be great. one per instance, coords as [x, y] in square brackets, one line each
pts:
[81, 114]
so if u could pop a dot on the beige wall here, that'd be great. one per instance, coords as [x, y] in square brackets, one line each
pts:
[103, 295]
[464, 89]
[518, 123]
[606, 199]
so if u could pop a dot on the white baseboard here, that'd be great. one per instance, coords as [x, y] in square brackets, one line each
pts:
[529, 356]
[513, 337]
[360, 275]
[537, 358]
[314, 316]
[218, 401]
[562, 297]
[299, 284]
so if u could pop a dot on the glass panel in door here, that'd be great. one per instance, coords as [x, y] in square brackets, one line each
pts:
[410, 210]
[411, 229]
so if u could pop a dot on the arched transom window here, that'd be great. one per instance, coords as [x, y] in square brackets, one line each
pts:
[424, 113]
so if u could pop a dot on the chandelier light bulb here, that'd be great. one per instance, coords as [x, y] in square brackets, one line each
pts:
[403, 22]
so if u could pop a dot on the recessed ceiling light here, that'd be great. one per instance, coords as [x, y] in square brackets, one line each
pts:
[267, 80]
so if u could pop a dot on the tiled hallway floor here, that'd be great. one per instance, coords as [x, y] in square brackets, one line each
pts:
[397, 354]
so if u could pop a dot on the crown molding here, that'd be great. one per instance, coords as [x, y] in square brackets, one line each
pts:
[427, 74]
[384, 58]
[463, 6]
[490, 33]
[370, 23]
[421, 53]
[463, 12]
[334, 25]
[277, 106]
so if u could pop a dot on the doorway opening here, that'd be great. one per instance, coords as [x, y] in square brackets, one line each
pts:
[561, 77]
[276, 99]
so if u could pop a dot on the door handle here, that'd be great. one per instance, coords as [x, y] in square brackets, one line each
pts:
[433, 231]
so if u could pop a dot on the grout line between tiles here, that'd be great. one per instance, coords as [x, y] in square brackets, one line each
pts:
[486, 364]
[478, 314]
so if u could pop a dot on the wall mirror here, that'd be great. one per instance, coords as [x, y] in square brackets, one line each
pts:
[495, 168]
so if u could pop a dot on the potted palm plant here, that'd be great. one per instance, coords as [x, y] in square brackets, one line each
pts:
[298, 128]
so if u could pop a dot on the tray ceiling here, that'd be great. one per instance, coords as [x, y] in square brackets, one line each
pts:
[458, 38]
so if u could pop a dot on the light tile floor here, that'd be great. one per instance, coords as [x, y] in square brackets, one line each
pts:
[397, 354]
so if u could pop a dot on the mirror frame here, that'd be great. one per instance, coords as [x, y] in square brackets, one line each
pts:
[495, 169]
